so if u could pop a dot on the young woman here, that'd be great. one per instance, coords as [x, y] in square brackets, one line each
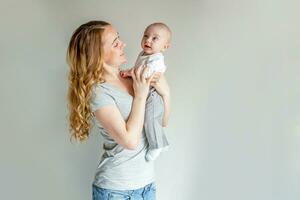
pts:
[117, 105]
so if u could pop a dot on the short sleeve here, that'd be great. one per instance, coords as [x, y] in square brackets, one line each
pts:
[156, 63]
[101, 97]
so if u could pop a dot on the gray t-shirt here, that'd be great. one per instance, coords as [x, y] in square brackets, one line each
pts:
[119, 168]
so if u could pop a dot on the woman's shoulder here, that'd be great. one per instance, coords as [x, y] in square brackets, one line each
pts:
[109, 85]
[114, 88]
[103, 90]
[124, 83]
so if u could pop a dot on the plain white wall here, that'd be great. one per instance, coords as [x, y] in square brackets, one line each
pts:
[234, 69]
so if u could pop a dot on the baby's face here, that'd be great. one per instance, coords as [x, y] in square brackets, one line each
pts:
[155, 40]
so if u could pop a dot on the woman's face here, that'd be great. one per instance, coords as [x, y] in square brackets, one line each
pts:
[113, 47]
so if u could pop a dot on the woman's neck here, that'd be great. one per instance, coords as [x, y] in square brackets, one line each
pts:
[111, 74]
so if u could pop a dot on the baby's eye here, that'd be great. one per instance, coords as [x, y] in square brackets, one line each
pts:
[145, 36]
[155, 38]
[116, 44]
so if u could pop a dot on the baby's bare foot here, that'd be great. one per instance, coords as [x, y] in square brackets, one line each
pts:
[125, 74]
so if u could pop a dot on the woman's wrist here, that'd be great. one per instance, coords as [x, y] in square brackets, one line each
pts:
[166, 95]
[166, 98]
[140, 97]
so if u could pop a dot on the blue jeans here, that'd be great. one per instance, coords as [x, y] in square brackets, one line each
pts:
[146, 193]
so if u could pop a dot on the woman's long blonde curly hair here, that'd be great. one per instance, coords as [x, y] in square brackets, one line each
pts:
[85, 59]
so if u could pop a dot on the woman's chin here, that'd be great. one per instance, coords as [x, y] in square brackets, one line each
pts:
[124, 60]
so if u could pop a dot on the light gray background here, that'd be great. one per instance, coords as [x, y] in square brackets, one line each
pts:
[234, 69]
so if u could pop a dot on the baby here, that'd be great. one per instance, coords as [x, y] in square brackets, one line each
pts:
[155, 41]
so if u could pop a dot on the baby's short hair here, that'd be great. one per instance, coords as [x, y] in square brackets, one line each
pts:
[163, 26]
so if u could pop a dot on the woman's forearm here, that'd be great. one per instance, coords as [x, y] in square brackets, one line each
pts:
[134, 124]
[167, 107]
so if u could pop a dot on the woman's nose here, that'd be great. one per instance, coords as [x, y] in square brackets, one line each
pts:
[123, 45]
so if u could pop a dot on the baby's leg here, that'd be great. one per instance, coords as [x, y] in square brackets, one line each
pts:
[153, 125]
[152, 154]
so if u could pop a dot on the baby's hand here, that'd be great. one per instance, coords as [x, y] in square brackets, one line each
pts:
[125, 73]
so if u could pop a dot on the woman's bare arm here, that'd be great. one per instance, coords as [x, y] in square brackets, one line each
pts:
[124, 133]
[127, 133]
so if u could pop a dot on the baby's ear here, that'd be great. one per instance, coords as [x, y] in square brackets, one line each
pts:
[166, 46]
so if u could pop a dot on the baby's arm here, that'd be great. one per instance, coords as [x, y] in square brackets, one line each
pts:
[156, 64]
[126, 73]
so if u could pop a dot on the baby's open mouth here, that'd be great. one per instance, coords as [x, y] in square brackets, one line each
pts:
[147, 46]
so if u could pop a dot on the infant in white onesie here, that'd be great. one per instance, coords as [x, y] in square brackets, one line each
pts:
[155, 41]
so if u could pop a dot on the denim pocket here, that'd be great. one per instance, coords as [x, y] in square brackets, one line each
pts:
[118, 196]
[153, 187]
[149, 192]
[107, 194]
[99, 193]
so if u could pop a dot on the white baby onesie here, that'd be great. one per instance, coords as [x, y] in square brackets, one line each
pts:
[155, 62]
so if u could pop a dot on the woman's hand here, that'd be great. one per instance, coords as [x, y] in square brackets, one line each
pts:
[140, 83]
[159, 82]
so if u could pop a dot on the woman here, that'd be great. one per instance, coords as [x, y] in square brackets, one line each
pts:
[117, 106]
